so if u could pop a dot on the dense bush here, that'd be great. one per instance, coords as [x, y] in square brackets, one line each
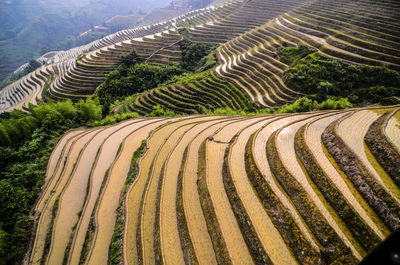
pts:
[137, 78]
[26, 142]
[308, 104]
[197, 57]
[159, 111]
[21, 174]
[316, 74]
[289, 55]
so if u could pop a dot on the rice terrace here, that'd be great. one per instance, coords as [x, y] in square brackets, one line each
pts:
[234, 132]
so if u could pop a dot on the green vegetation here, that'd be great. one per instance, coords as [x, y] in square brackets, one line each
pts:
[197, 57]
[18, 127]
[159, 111]
[303, 104]
[26, 143]
[290, 55]
[312, 73]
[132, 77]
[309, 104]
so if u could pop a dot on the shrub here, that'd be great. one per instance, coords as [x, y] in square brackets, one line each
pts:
[159, 111]
[127, 81]
[289, 55]
[197, 57]
[316, 74]
[90, 110]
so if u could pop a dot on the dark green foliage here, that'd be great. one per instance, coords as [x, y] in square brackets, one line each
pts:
[131, 59]
[26, 142]
[376, 93]
[159, 111]
[315, 74]
[127, 81]
[309, 104]
[50, 117]
[90, 110]
[194, 56]
[21, 173]
[289, 55]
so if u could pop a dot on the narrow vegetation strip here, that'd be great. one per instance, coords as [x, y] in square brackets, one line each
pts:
[382, 148]
[220, 249]
[359, 229]
[280, 216]
[333, 247]
[383, 204]
[249, 234]
[115, 256]
[184, 235]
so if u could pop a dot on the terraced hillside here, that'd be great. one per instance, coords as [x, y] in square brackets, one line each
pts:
[249, 65]
[277, 189]
[77, 72]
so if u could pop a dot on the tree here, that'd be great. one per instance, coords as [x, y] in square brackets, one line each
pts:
[13, 199]
[90, 110]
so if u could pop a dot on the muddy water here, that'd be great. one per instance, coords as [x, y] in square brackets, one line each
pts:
[169, 234]
[193, 212]
[105, 215]
[106, 155]
[265, 229]
[46, 215]
[135, 193]
[285, 147]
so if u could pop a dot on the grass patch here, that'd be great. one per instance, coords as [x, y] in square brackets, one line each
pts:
[92, 225]
[49, 234]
